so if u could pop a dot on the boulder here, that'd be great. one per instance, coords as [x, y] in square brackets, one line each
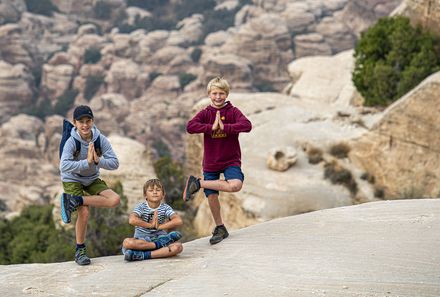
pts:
[281, 159]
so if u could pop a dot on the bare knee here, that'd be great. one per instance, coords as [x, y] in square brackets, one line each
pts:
[176, 248]
[127, 243]
[83, 213]
[115, 200]
[235, 186]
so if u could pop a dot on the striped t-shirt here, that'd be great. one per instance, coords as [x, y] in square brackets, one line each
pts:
[146, 213]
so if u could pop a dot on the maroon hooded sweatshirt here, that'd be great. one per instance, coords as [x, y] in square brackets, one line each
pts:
[221, 148]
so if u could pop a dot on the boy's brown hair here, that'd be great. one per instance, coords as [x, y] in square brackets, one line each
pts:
[219, 83]
[153, 182]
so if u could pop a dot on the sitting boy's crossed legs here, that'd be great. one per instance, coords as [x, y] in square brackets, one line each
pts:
[143, 248]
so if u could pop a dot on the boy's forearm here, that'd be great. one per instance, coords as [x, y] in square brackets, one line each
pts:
[138, 222]
[173, 223]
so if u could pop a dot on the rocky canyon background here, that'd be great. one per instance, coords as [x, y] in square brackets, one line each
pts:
[289, 64]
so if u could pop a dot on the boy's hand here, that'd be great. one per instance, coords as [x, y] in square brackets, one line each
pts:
[155, 222]
[95, 157]
[215, 126]
[90, 153]
[220, 122]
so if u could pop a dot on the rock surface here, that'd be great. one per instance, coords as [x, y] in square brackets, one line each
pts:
[374, 249]
[400, 150]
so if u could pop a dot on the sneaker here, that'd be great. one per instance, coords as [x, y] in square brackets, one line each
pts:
[68, 205]
[218, 234]
[81, 258]
[191, 187]
[175, 235]
[166, 240]
[133, 255]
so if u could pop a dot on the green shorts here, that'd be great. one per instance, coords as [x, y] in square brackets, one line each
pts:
[77, 189]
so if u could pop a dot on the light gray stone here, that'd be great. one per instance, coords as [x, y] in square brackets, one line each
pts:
[375, 249]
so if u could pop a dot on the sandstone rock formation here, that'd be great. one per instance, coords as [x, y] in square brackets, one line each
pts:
[15, 89]
[400, 150]
[26, 176]
[375, 249]
[422, 12]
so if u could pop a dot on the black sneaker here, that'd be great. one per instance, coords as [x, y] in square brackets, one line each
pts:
[81, 257]
[69, 204]
[191, 187]
[218, 234]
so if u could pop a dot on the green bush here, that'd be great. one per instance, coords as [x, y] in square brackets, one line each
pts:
[185, 79]
[340, 150]
[171, 175]
[102, 10]
[92, 56]
[93, 83]
[65, 101]
[391, 58]
[195, 55]
[41, 109]
[44, 7]
[161, 148]
[32, 237]
[340, 175]
[265, 86]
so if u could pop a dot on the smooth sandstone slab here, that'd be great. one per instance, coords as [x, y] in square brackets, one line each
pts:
[388, 248]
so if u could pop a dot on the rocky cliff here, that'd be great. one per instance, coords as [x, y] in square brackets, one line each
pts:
[425, 13]
[401, 149]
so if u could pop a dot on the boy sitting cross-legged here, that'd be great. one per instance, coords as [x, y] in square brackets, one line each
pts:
[151, 219]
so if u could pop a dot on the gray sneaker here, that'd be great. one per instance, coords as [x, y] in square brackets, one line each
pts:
[81, 257]
[69, 204]
[192, 186]
[218, 234]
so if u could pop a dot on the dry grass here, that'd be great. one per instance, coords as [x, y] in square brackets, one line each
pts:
[340, 150]
[315, 155]
[340, 175]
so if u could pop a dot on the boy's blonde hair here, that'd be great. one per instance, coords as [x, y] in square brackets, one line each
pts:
[218, 83]
[153, 182]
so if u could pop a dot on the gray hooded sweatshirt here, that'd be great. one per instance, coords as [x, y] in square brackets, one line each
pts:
[78, 169]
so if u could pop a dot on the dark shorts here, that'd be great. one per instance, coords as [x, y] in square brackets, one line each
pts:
[232, 172]
[78, 189]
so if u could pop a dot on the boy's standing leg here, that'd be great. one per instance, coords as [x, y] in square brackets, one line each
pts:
[212, 184]
[103, 196]
[220, 231]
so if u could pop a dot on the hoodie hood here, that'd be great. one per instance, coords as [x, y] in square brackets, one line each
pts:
[95, 133]
[227, 106]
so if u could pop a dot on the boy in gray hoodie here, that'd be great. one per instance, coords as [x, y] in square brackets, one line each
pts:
[80, 175]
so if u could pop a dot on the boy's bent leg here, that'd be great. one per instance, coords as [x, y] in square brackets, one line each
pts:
[169, 251]
[138, 244]
[106, 198]
[192, 186]
[230, 186]
[101, 195]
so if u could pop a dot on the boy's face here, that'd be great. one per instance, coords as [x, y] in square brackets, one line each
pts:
[84, 126]
[218, 97]
[154, 194]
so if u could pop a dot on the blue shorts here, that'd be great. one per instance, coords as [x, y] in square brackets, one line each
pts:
[149, 238]
[231, 172]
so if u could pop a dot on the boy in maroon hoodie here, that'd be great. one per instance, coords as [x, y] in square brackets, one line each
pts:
[220, 123]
